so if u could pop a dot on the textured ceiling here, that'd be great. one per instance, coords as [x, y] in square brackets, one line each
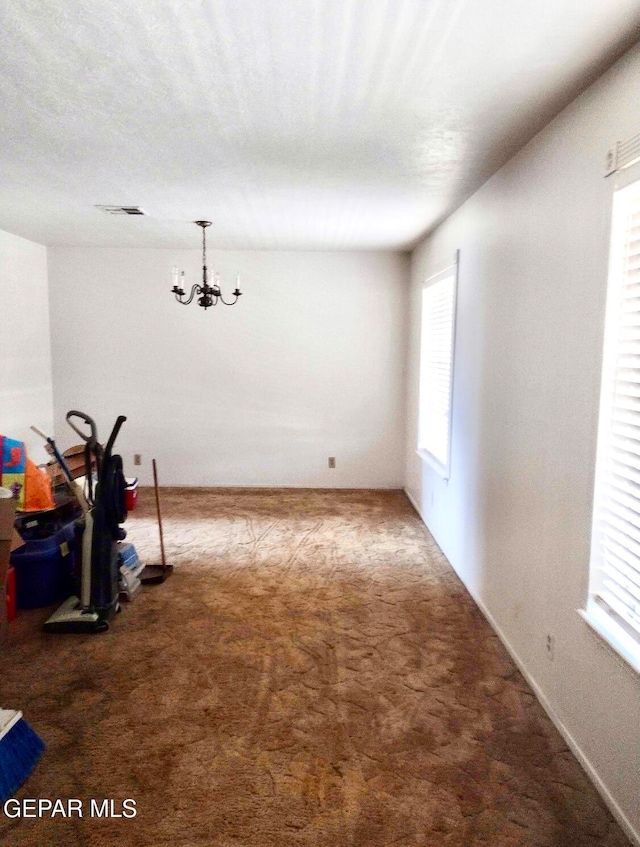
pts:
[291, 124]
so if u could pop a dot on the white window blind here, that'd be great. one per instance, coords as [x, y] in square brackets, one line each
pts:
[436, 366]
[615, 563]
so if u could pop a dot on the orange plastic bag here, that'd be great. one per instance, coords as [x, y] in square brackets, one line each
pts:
[38, 494]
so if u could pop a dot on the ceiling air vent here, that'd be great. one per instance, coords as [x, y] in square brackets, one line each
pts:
[122, 210]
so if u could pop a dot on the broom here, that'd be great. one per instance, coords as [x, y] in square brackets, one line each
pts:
[20, 749]
[155, 574]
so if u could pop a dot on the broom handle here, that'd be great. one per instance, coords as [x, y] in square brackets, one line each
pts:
[155, 485]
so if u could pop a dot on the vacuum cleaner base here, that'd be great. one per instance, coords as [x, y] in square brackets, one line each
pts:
[71, 617]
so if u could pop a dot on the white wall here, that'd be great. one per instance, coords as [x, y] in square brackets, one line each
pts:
[514, 519]
[309, 364]
[26, 396]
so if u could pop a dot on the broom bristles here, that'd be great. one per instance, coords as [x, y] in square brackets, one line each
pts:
[20, 749]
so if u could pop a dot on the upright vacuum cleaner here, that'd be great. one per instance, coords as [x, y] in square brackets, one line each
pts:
[104, 512]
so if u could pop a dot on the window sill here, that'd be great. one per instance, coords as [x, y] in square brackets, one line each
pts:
[617, 638]
[433, 463]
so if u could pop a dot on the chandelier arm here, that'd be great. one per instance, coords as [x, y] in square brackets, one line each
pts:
[195, 289]
[233, 302]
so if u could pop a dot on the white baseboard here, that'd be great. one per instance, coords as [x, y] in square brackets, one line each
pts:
[591, 772]
[415, 506]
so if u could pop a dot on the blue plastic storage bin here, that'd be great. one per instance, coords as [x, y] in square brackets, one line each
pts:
[128, 556]
[44, 569]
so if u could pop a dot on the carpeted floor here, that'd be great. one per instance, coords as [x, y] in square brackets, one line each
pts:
[312, 675]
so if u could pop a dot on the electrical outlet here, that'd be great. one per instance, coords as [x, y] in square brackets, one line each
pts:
[137, 459]
[332, 461]
[551, 646]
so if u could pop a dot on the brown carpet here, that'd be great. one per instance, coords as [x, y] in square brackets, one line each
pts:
[312, 675]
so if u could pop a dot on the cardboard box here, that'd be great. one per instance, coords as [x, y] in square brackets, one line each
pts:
[7, 517]
[75, 460]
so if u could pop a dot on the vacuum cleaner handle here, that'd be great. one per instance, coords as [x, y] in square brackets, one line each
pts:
[93, 437]
[114, 434]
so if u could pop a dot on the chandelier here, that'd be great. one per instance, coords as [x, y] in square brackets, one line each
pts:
[208, 295]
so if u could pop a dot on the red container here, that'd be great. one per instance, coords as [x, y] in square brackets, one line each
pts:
[11, 594]
[131, 494]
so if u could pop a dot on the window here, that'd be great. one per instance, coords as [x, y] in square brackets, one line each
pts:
[436, 367]
[613, 607]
